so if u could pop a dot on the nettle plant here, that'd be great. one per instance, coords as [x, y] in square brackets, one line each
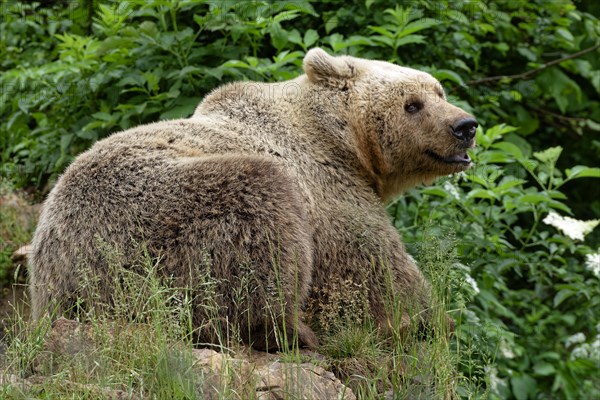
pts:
[535, 284]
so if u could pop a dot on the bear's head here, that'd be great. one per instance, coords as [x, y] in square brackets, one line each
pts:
[404, 131]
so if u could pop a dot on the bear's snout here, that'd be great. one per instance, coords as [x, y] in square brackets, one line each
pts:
[464, 129]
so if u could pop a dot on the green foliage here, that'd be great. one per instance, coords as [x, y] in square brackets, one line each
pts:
[76, 72]
[144, 349]
[536, 282]
[146, 345]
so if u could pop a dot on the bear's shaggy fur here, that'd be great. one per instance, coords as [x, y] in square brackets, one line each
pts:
[286, 182]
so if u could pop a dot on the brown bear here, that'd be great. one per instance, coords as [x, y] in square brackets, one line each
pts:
[282, 185]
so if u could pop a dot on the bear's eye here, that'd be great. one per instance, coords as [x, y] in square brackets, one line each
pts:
[412, 108]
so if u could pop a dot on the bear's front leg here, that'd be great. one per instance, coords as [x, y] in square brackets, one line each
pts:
[360, 255]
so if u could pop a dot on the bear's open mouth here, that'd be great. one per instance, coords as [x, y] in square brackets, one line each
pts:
[460, 158]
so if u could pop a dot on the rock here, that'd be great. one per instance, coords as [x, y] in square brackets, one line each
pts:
[96, 391]
[299, 381]
[268, 377]
[68, 337]
[30, 384]
[245, 374]
[222, 373]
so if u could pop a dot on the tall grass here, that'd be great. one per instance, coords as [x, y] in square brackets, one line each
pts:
[145, 347]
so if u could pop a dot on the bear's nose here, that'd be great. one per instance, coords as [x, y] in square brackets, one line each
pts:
[464, 129]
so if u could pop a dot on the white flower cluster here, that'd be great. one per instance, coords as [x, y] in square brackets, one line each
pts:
[462, 176]
[575, 339]
[450, 188]
[592, 263]
[495, 381]
[498, 386]
[506, 350]
[571, 227]
[469, 279]
[590, 351]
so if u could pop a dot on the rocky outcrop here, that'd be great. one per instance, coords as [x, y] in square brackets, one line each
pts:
[245, 374]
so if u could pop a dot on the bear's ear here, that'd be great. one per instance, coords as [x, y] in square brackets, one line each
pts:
[322, 68]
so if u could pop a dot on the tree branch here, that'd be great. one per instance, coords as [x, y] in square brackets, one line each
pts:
[534, 71]
[557, 116]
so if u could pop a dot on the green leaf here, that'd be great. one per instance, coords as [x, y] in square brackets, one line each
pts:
[303, 6]
[544, 369]
[493, 156]
[409, 39]
[549, 156]
[134, 79]
[88, 132]
[102, 116]
[331, 24]
[201, 20]
[565, 34]
[285, 16]
[278, 36]
[510, 148]
[562, 88]
[520, 142]
[527, 121]
[151, 81]
[416, 26]
[236, 64]
[533, 198]
[446, 74]
[477, 179]
[559, 206]
[294, 37]
[581, 171]
[382, 31]
[435, 191]
[561, 296]
[481, 194]
[357, 40]
[555, 194]
[185, 107]
[65, 141]
[310, 37]
[189, 70]
[509, 183]
[336, 41]
[384, 40]
[524, 387]
[593, 125]
[287, 58]
[497, 131]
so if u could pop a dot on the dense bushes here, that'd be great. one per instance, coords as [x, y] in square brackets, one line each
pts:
[535, 288]
[75, 72]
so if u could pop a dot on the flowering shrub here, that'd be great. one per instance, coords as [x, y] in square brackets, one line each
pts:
[535, 287]
[571, 227]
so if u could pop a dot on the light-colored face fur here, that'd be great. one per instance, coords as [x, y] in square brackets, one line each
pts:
[406, 131]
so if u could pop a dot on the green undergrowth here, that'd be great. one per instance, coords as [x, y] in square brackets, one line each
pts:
[531, 322]
[416, 364]
[145, 348]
